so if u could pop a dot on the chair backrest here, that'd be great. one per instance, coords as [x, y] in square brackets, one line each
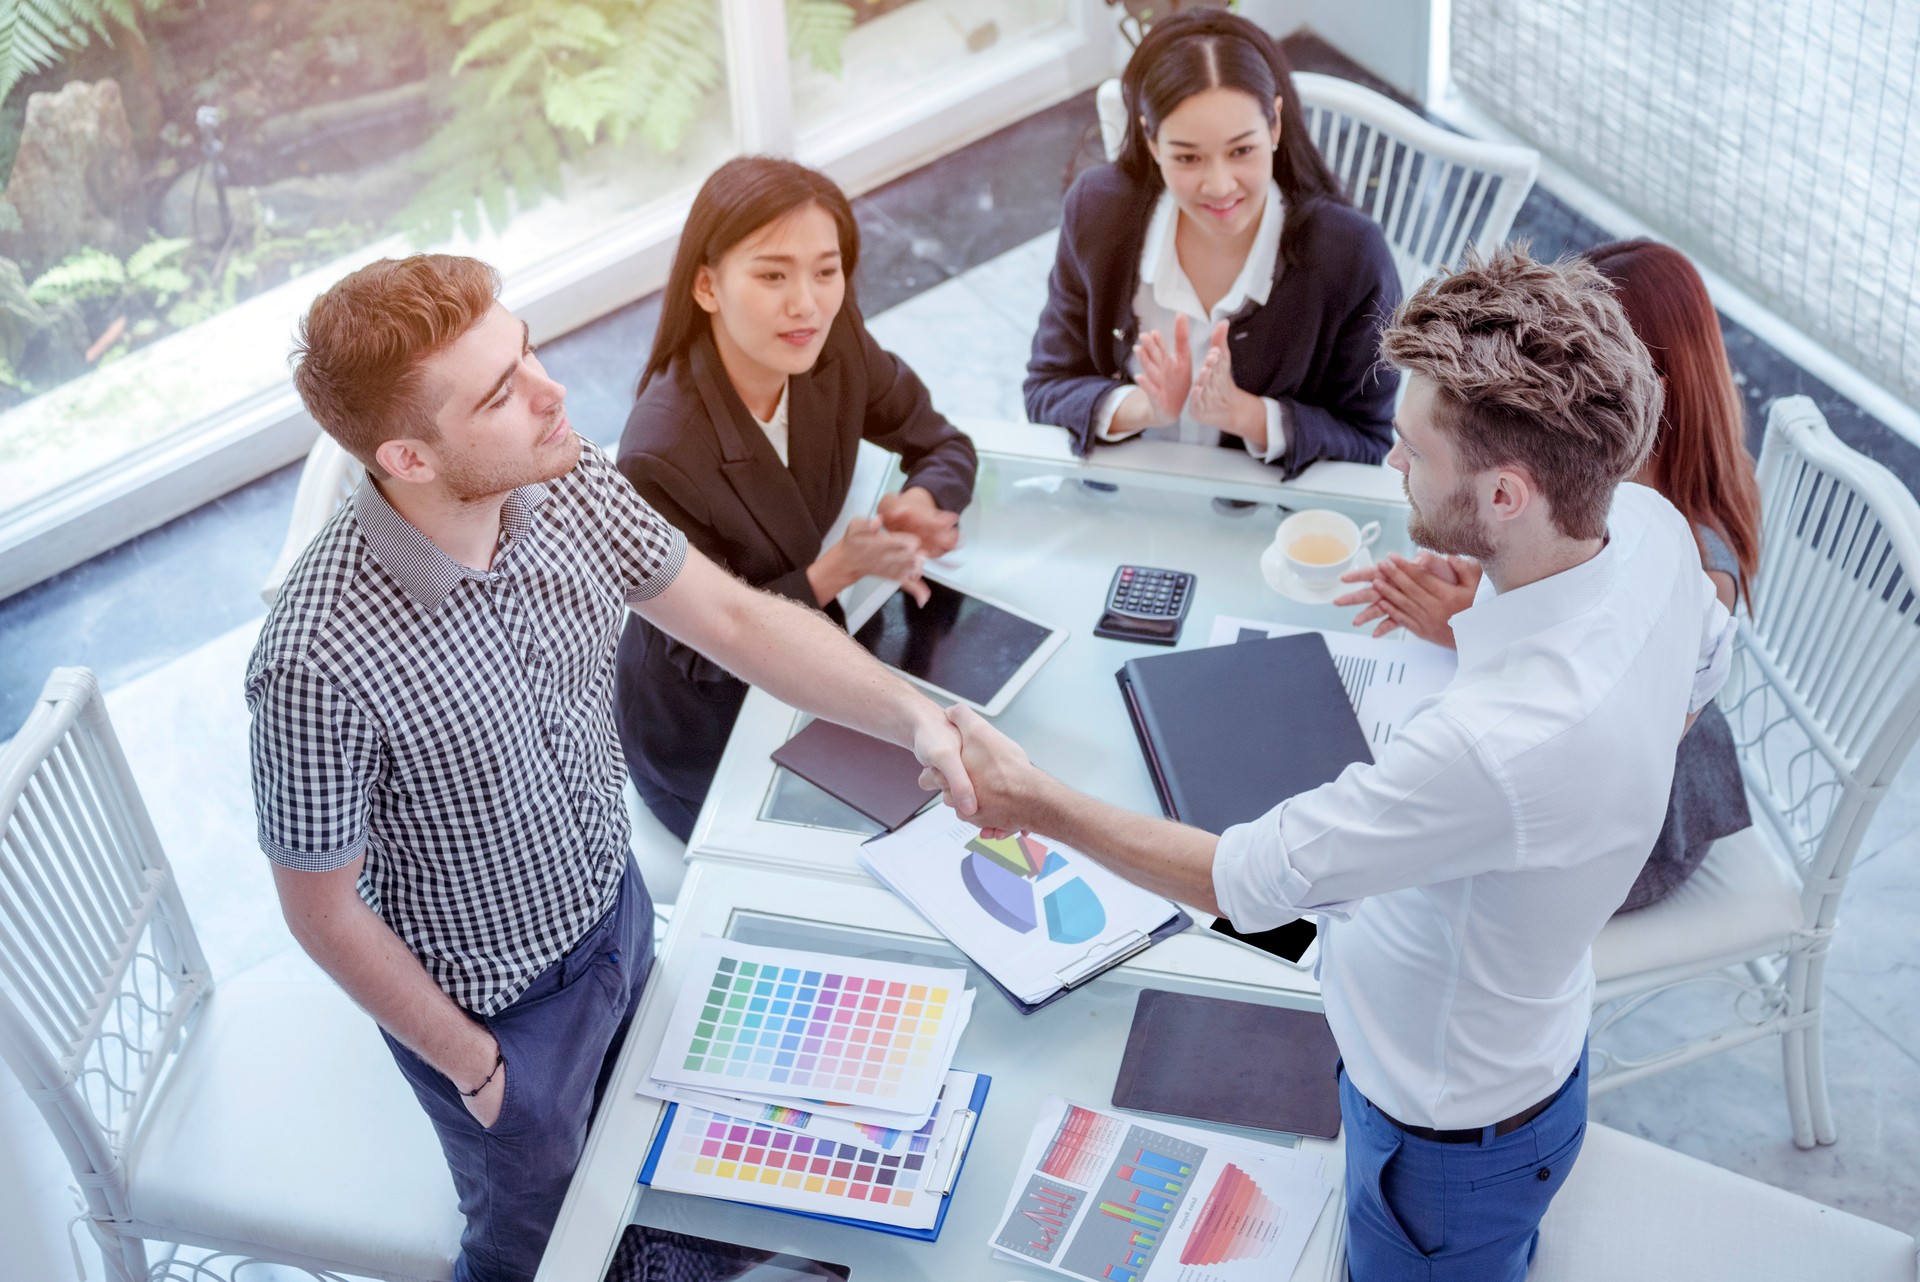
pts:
[1824, 696]
[100, 971]
[327, 479]
[1433, 192]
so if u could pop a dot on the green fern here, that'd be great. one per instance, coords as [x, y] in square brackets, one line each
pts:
[815, 30]
[89, 274]
[537, 83]
[35, 34]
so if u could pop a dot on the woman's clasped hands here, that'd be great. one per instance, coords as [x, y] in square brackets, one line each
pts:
[1167, 385]
[908, 530]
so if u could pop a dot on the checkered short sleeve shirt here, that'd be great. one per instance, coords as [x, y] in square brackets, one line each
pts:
[456, 725]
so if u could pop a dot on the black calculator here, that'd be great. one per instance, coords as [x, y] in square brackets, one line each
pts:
[1145, 604]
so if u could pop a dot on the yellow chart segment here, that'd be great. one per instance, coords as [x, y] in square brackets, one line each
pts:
[1020, 855]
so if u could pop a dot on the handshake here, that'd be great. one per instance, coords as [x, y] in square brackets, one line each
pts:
[995, 787]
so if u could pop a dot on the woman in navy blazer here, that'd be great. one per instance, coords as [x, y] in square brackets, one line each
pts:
[762, 383]
[1204, 341]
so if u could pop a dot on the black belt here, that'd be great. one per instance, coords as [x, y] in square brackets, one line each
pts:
[1505, 1126]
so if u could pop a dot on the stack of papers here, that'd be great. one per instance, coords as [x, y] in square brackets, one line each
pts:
[1037, 916]
[828, 1058]
[1101, 1196]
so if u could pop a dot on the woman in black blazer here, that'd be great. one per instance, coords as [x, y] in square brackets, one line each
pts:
[761, 385]
[1161, 314]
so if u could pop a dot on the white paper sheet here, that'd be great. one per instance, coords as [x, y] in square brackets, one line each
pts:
[790, 1027]
[1386, 680]
[741, 1160]
[1111, 1198]
[1034, 914]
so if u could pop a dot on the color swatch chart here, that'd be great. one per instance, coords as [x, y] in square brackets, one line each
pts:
[797, 1027]
[718, 1156]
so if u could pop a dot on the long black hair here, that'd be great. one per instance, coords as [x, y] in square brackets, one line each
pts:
[741, 197]
[1189, 53]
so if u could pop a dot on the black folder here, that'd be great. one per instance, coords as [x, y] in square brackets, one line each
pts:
[1235, 1063]
[1231, 731]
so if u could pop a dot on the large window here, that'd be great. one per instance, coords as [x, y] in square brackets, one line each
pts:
[181, 189]
[1780, 143]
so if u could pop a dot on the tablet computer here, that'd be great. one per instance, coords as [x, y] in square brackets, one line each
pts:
[967, 647]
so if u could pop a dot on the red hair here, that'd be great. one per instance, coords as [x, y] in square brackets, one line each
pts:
[1699, 460]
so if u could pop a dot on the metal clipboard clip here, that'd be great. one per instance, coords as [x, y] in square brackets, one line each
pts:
[948, 1148]
[1102, 957]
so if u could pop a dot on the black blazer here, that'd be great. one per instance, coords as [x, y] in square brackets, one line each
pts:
[1314, 345]
[697, 456]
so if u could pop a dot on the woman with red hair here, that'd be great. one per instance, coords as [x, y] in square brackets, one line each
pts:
[1700, 463]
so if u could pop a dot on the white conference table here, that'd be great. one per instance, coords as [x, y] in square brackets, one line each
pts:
[774, 861]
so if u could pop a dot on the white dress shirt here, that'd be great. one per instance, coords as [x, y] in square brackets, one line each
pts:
[1467, 871]
[776, 427]
[1165, 293]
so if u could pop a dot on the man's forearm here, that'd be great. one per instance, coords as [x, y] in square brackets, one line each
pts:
[799, 657]
[1167, 858]
[361, 953]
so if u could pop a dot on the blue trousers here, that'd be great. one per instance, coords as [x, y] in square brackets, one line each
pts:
[561, 1038]
[1422, 1211]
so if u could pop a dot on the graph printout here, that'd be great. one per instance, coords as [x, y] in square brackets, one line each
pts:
[786, 1026]
[1104, 1197]
[747, 1161]
[1030, 912]
[1386, 680]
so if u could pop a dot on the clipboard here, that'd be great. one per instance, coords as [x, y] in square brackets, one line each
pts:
[1070, 980]
[945, 1162]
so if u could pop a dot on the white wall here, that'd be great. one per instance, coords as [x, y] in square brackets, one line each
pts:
[1394, 39]
[35, 1204]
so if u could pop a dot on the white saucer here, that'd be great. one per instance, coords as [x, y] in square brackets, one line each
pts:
[1281, 578]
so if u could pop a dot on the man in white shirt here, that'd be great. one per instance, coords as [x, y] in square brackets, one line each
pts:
[1462, 877]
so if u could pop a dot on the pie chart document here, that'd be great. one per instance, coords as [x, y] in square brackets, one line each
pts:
[1036, 915]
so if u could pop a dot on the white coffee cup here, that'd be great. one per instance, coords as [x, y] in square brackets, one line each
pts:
[1319, 545]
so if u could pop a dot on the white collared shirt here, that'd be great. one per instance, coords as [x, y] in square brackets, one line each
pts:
[776, 427]
[1165, 293]
[1467, 871]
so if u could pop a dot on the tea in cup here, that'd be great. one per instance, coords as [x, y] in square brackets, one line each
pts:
[1319, 545]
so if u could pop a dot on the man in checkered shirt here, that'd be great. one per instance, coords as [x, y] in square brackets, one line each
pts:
[435, 764]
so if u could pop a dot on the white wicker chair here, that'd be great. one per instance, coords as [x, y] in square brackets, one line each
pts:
[1434, 192]
[1824, 702]
[327, 479]
[264, 1121]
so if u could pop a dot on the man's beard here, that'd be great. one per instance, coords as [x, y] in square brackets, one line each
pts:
[474, 482]
[1453, 527]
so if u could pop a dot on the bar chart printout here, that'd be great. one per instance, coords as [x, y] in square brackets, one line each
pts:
[1106, 1199]
[1138, 1197]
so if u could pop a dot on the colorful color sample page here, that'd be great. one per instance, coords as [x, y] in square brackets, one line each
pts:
[1104, 1197]
[1033, 913]
[794, 1027]
[727, 1157]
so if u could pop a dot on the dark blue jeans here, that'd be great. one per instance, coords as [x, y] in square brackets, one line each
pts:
[1420, 1209]
[561, 1038]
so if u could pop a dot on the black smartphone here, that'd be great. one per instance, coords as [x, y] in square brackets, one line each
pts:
[647, 1253]
[1291, 943]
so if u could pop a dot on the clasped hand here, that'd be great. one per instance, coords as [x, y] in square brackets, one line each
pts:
[1421, 594]
[1168, 380]
[1007, 790]
[910, 528]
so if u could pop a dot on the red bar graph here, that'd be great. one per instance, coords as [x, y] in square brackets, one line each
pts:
[1237, 1222]
[1074, 1155]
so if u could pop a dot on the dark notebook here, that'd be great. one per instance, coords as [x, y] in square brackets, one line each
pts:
[879, 779]
[1233, 1063]
[1231, 731]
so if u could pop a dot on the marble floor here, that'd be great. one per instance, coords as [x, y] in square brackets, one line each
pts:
[954, 277]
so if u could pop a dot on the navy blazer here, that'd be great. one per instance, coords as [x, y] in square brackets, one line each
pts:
[1314, 345]
[694, 452]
